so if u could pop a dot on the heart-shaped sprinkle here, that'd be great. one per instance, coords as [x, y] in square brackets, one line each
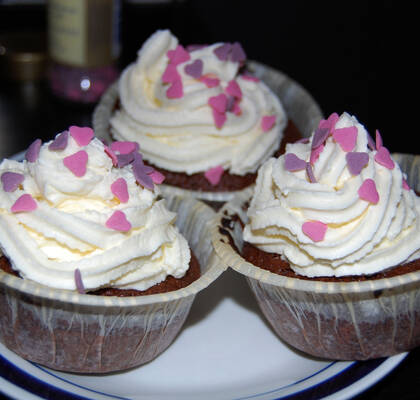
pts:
[267, 122]
[251, 78]
[315, 154]
[11, 181]
[371, 143]
[195, 69]
[310, 173]
[118, 222]
[315, 230]
[32, 153]
[230, 103]
[77, 163]
[405, 185]
[82, 136]
[120, 190]
[237, 53]
[213, 175]
[218, 118]
[346, 137]
[356, 161]
[320, 136]
[157, 177]
[121, 147]
[222, 52]
[170, 74]
[368, 192]
[193, 47]
[330, 122]
[175, 91]
[78, 281]
[233, 89]
[141, 172]
[124, 159]
[24, 203]
[60, 142]
[178, 56]
[209, 81]
[111, 155]
[379, 141]
[218, 102]
[293, 163]
[383, 158]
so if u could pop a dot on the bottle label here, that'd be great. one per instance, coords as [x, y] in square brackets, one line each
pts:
[84, 33]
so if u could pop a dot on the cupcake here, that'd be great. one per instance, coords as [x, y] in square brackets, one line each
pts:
[202, 119]
[330, 243]
[95, 273]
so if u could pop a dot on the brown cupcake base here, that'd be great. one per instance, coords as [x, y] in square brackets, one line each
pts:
[168, 285]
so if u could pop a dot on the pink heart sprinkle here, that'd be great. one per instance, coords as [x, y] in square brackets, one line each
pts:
[11, 181]
[170, 74]
[293, 163]
[346, 137]
[157, 177]
[233, 89]
[368, 192]
[218, 103]
[111, 155]
[330, 122]
[315, 230]
[24, 203]
[219, 118]
[251, 78]
[121, 147]
[118, 222]
[194, 69]
[175, 91]
[213, 175]
[405, 185]
[77, 163]
[383, 158]
[356, 161]
[315, 154]
[32, 153]
[82, 136]
[379, 141]
[178, 56]
[120, 190]
[267, 122]
[209, 81]
[371, 143]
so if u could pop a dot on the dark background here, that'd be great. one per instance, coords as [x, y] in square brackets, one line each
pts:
[351, 56]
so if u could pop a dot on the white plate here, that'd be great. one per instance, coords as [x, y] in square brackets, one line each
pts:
[225, 351]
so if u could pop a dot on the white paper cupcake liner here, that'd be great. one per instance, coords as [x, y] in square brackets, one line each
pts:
[299, 105]
[86, 333]
[335, 320]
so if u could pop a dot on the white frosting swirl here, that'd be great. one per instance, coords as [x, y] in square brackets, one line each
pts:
[361, 237]
[68, 231]
[179, 134]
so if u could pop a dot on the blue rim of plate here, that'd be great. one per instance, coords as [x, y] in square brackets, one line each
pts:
[348, 376]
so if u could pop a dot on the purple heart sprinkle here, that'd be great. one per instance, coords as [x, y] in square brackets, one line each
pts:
[310, 173]
[194, 69]
[78, 281]
[60, 142]
[124, 159]
[237, 53]
[32, 153]
[320, 136]
[11, 181]
[193, 47]
[293, 163]
[222, 52]
[356, 161]
[141, 172]
[371, 142]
